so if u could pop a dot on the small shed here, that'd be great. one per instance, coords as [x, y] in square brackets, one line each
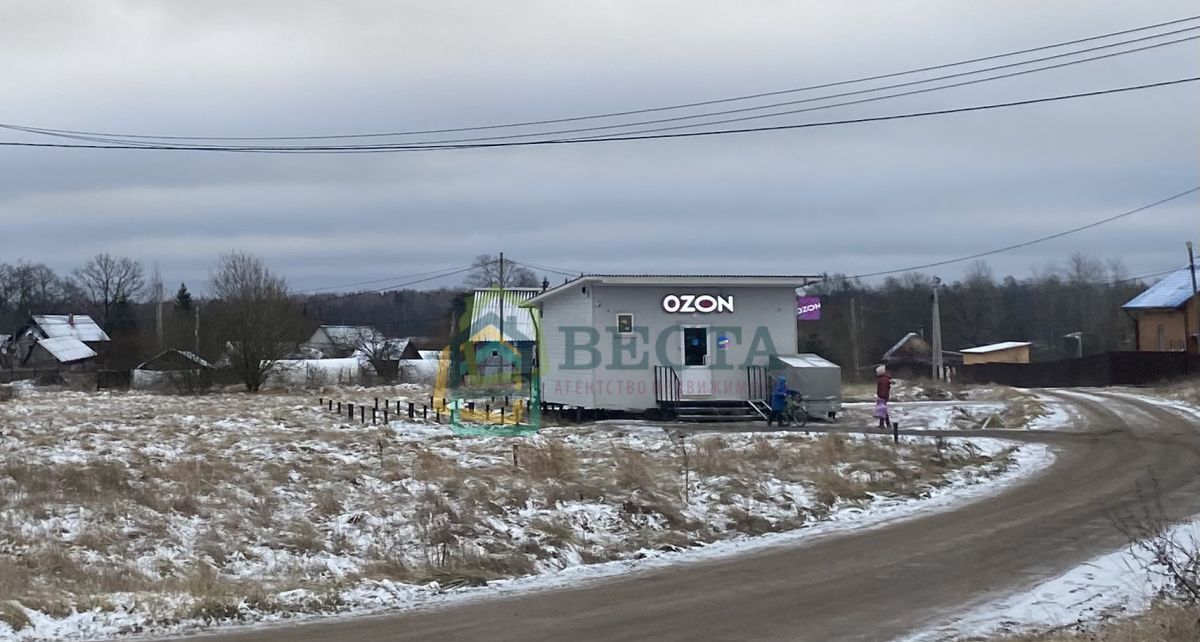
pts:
[1004, 352]
[170, 367]
[818, 380]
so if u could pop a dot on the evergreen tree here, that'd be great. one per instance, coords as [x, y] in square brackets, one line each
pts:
[183, 299]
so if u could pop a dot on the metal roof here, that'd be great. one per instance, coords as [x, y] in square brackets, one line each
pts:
[67, 349]
[806, 360]
[1171, 292]
[188, 356]
[996, 347]
[347, 334]
[519, 322]
[765, 280]
[75, 326]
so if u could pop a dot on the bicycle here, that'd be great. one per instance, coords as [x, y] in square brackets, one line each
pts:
[795, 412]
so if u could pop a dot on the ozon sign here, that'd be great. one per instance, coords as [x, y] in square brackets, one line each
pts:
[702, 303]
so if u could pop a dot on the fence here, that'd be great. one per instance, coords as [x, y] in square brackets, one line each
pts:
[1104, 369]
[502, 407]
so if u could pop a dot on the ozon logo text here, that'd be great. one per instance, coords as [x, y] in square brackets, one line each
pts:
[703, 303]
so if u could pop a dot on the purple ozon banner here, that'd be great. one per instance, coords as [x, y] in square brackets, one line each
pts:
[808, 308]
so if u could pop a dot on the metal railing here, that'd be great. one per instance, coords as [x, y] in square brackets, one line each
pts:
[667, 386]
[758, 383]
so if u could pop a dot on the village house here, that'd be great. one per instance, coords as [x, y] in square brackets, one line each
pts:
[57, 341]
[1167, 314]
[337, 341]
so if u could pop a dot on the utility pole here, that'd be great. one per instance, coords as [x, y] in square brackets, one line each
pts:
[501, 295]
[1187, 307]
[854, 335]
[197, 337]
[936, 331]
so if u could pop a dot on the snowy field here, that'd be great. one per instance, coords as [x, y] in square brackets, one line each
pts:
[131, 513]
[915, 407]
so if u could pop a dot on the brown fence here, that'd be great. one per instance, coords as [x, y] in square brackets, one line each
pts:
[1105, 369]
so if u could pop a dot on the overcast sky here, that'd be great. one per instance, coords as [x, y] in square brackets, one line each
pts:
[857, 198]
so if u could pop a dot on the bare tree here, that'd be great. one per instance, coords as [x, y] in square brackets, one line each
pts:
[255, 316]
[485, 273]
[381, 352]
[106, 279]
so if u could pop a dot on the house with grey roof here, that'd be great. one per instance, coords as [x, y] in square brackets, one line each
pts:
[57, 341]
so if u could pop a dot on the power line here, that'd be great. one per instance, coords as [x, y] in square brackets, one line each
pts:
[630, 112]
[621, 138]
[390, 278]
[454, 141]
[396, 286]
[546, 268]
[1015, 246]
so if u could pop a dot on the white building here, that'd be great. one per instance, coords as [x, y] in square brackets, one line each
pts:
[637, 342]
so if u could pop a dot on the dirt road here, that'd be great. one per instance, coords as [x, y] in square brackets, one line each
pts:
[870, 585]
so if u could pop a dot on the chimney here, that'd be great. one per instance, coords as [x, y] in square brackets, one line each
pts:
[71, 319]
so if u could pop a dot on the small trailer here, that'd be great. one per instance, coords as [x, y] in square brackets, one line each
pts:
[818, 380]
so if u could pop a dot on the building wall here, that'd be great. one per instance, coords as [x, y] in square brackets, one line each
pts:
[572, 308]
[1011, 355]
[622, 377]
[1172, 324]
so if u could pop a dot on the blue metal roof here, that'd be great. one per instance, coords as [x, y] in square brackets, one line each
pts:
[1172, 292]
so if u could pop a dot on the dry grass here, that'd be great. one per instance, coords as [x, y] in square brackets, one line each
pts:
[127, 495]
[1163, 623]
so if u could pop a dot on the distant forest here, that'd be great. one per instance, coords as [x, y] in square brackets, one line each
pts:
[1082, 295]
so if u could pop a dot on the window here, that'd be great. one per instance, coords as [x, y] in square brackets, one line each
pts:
[625, 323]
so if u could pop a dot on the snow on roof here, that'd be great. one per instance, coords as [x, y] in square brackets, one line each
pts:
[806, 360]
[67, 349]
[347, 334]
[430, 354]
[1171, 292]
[77, 326]
[996, 347]
[194, 358]
[519, 324]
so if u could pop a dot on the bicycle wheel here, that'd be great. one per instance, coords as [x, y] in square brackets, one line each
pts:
[800, 416]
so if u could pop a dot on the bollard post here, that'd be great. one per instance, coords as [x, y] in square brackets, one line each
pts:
[895, 433]
[320, 401]
[515, 461]
[471, 406]
[424, 411]
[385, 416]
[443, 403]
[505, 400]
[374, 411]
[411, 409]
[501, 415]
[362, 414]
[487, 408]
[339, 407]
[350, 406]
[331, 405]
[377, 403]
[437, 416]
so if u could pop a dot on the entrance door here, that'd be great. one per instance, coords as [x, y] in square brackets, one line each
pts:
[696, 377]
